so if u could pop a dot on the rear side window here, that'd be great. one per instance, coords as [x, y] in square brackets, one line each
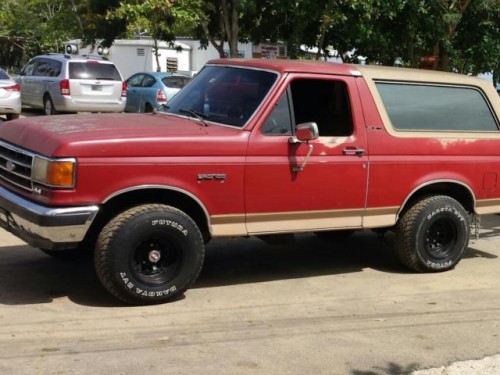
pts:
[93, 70]
[42, 69]
[175, 82]
[3, 75]
[414, 107]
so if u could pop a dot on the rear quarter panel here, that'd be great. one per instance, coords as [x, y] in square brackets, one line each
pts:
[403, 162]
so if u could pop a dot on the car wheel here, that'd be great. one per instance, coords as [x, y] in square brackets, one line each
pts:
[12, 116]
[149, 254]
[433, 234]
[148, 108]
[48, 106]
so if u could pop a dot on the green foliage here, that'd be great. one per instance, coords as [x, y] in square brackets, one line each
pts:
[464, 35]
[29, 27]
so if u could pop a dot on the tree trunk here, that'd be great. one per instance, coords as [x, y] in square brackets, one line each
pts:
[157, 54]
[230, 12]
[233, 41]
[218, 46]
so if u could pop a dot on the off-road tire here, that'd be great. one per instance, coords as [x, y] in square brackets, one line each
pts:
[149, 254]
[432, 235]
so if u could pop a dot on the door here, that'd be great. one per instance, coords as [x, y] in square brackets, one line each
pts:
[285, 190]
[133, 93]
[28, 82]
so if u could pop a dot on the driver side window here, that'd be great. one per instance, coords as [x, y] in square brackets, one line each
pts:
[280, 121]
[325, 102]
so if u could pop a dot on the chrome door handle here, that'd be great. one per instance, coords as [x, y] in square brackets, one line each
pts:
[351, 150]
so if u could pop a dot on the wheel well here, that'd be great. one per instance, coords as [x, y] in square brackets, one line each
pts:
[148, 107]
[454, 190]
[130, 199]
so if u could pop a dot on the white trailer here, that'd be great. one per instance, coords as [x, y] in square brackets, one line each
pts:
[137, 55]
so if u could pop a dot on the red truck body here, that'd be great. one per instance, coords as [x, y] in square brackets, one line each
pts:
[246, 178]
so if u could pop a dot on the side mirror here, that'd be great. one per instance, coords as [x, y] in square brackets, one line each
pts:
[306, 131]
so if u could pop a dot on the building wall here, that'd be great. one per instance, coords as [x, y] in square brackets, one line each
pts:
[199, 56]
[132, 56]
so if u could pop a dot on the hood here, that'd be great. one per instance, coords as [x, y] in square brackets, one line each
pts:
[121, 134]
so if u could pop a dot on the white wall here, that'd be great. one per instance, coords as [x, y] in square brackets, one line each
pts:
[199, 57]
[124, 54]
[128, 58]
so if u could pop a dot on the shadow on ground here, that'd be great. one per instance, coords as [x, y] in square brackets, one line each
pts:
[239, 261]
[28, 276]
[391, 369]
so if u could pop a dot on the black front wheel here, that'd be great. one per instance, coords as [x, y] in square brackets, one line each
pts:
[149, 254]
[433, 234]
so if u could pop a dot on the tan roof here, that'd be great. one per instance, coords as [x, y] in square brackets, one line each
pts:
[377, 72]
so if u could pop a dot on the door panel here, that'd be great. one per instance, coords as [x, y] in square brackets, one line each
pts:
[330, 191]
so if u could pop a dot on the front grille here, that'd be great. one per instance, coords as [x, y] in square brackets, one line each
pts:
[15, 166]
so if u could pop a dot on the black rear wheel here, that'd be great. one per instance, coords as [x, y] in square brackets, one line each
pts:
[433, 234]
[48, 106]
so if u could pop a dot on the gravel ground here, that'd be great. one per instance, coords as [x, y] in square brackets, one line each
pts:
[485, 366]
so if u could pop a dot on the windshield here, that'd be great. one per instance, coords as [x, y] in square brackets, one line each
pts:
[222, 94]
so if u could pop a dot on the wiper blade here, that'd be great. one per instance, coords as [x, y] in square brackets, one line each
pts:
[199, 115]
[161, 109]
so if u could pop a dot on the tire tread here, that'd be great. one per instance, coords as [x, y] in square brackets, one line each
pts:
[103, 257]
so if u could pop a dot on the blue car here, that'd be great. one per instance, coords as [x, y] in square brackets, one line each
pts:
[149, 90]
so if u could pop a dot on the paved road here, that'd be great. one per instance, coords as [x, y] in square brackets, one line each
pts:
[315, 307]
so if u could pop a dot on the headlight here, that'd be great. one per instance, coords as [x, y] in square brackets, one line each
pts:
[54, 172]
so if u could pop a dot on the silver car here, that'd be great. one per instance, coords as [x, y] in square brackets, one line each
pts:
[64, 83]
[10, 97]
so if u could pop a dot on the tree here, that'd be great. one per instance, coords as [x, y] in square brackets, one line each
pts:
[219, 23]
[161, 18]
[29, 27]
[476, 48]
[96, 26]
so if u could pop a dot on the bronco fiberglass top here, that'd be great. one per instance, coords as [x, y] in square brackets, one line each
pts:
[223, 94]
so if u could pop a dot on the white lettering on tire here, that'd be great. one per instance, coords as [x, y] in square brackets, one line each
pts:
[172, 224]
[145, 293]
[448, 209]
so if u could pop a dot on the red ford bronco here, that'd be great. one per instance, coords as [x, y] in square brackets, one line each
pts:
[257, 148]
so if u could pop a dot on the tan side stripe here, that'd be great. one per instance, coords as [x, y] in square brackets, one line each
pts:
[488, 206]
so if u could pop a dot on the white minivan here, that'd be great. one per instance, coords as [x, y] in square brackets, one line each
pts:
[63, 83]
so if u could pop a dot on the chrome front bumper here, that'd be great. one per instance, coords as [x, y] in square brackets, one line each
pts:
[44, 227]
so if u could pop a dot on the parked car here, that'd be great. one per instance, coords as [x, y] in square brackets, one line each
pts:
[64, 83]
[148, 91]
[10, 97]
